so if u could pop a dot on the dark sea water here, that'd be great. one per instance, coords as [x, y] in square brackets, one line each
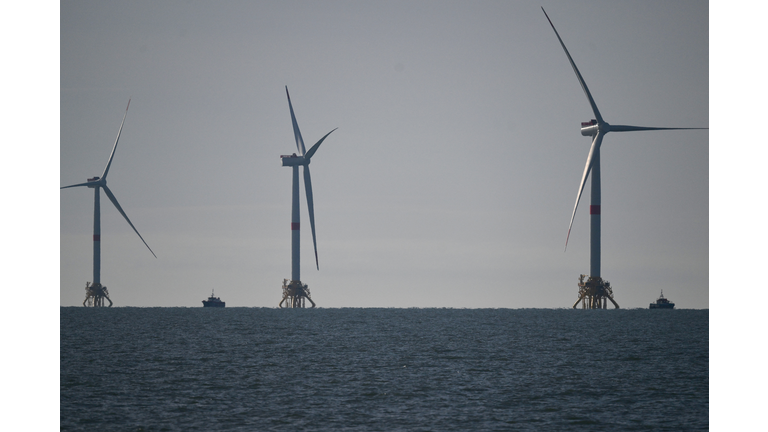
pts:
[258, 369]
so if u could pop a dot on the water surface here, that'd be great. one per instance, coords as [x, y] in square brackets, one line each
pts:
[248, 369]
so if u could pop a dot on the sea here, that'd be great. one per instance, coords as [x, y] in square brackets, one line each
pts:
[368, 369]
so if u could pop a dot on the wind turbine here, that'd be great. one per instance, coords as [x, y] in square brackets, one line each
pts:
[295, 291]
[594, 292]
[95, 293]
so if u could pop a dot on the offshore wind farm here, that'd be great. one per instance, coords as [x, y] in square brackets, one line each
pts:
[450, 184]
[441, 204]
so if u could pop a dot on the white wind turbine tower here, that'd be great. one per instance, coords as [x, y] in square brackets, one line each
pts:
[295, 291]
[95, 293]
[594, 292]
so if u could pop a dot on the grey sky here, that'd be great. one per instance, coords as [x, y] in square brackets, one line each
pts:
[449, 182]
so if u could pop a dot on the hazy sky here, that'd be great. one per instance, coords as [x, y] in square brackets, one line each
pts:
[449, 183]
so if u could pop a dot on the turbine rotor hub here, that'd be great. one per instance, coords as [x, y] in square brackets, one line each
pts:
[95, 180]
[592, 127]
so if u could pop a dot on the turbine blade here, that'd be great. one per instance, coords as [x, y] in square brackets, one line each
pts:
[311, 207]
[314, 148]
[625, 128]
[598, 117]
[114, 147]
[296, 131]
[587, 168]
[120, 209]
[76, 185]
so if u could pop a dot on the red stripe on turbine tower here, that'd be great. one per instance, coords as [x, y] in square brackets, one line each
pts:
[96, 237]
[594, 209]
[294, 226]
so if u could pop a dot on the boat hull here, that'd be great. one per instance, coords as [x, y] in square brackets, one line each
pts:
[214, 303]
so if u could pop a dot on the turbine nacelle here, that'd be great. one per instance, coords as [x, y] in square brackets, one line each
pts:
[294, 160]
[589, 128]
[96, 181]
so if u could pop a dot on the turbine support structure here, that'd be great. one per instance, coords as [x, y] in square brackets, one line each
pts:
[95, 295]
[594, 293]
[594, 217]
[295, 294]
[96, 237]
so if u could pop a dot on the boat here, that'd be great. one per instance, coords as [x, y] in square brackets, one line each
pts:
[662, 303]
[213, 301]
